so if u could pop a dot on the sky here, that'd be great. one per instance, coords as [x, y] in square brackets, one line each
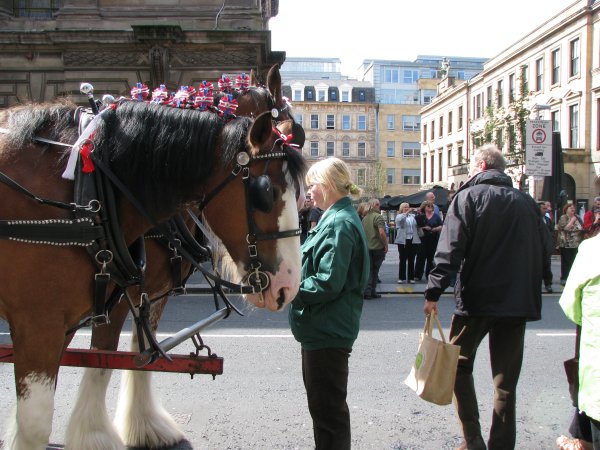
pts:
[402, 29]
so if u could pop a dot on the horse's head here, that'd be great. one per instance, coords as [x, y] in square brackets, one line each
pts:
[259, 224]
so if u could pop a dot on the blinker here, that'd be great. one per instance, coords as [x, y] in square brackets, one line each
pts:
[261, 193]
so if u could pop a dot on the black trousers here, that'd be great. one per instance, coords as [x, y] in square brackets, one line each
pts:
[585, 428]
[407, 253]
[506, 342]
[325, 375]
[376, 258]
[567, 257]
[425, 255]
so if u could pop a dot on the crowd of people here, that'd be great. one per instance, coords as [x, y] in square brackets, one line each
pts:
[494, 242]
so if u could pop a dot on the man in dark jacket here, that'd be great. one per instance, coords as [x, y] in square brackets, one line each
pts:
[496, 240]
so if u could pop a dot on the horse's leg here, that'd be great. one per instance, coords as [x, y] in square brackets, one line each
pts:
[90, 427]
[140, 418]
[37, 350]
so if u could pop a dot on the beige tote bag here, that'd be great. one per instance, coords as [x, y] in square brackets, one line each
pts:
[433, 374]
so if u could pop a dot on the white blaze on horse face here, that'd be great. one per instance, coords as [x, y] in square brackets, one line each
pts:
[286, 282]
[33, 425]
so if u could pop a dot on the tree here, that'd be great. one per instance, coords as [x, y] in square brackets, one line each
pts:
[375, 180]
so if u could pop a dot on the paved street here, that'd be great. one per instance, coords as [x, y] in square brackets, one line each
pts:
[259, 401]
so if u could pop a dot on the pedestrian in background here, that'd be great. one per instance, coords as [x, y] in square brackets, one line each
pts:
[314, 216]
[325, 315]
[430, 224]
[362, 209]
[580, 300]
[494, 237]
[570, 235]
[303, 220]
[546, 208]
[588, 217]
[377, 242]
[408, 242]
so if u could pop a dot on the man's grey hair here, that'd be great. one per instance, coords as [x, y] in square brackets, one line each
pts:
[492, 156]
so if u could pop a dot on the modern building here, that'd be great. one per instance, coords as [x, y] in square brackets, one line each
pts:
[339, 119]
[401, 90]
[552, 73]
[48, 47]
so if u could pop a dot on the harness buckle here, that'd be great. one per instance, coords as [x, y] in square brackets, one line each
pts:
[252, 250]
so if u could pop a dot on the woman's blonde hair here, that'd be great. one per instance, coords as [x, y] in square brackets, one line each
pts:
[334, 175]
[363, 209]
[402, 205]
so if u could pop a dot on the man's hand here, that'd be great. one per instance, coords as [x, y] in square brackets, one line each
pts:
[430, 307]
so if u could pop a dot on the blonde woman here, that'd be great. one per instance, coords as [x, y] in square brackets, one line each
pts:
[408, 242]
[325, 315]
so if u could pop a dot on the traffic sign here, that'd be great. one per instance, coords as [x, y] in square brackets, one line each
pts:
[538, 148]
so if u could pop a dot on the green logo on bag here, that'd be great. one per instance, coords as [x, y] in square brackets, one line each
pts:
[418, 360]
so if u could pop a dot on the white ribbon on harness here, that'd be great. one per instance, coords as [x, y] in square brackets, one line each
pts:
[69, 173]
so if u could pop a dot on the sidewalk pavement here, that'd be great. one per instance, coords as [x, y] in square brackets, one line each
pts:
[388, 274]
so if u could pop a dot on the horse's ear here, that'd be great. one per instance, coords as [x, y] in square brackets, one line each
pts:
[274, 85]
[261, 130]
[253, 80]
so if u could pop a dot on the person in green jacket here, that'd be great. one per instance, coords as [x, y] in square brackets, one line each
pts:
[325, 315]
[580, 302]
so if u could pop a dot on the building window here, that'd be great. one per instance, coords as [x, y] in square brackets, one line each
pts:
[310, 95]
[439, 161]
[330, 121]
[391, 149]
[297, 95]
[555, 118]
[390, 75]
[539, 74]
[425, 133]
[410, 76]
[432, 133]
[345, 122]
[330, 147]
[449, 155]
[574, 126]
[424, 168]
[411, 176]
[411, 123]
[361, 95]
[361, 177]
[477, 107]
[574, 66]
[500, 93]
[459, 153]
[460, 117]
[362, 149]
[490, 97]
[512, 87]
[555, 66]
[345, 96]
[391, 176]
[362, 122]
[411, 150]
[500, 138]
[298, 118]
[391, 122]
[525, 79]
[441, 126]
[333, 95]
[449, 122]
[38, 9]
[314, 149]
[345, 149]
[314, 121]
[321, 95]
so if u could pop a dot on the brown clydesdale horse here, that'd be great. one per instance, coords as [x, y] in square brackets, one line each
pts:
[140, 419]
[167, 159]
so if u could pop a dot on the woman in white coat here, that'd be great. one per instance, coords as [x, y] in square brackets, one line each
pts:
[408, 243]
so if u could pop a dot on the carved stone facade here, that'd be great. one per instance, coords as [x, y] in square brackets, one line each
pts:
[46, 53]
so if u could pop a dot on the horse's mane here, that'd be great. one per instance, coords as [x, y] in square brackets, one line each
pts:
[53, 121]
[164, 154]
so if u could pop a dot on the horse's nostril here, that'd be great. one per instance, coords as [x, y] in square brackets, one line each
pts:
[281, 298]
